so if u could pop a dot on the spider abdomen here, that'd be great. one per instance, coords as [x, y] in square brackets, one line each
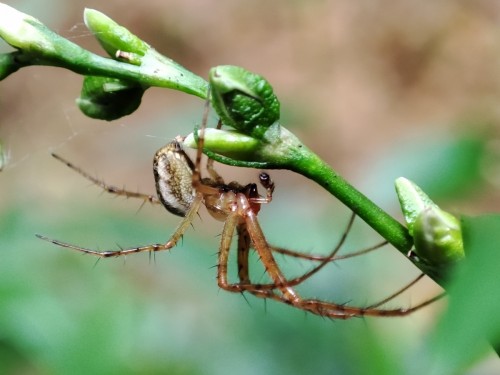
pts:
[173, 171]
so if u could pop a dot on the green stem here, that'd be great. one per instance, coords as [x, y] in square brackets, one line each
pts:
[161, 74]
[311, 166]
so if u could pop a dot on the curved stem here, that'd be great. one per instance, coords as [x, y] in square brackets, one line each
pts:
[156, 70]
[311, 166]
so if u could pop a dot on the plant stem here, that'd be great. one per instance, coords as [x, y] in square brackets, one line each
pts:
[161, 74]
[311, 166]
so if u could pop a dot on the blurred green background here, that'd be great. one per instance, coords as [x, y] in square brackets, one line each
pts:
[379, 89]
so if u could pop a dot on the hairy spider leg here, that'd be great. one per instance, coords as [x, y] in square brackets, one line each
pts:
[244, 238]
[181, 228]
[319, 258]
[242, 210]
[109, 188]
[210, 164]
[243, 247]
[297, 280]
[343, 311]
[286, 293]
[175, 159]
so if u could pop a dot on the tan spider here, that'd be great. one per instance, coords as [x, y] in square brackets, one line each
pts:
[182, 190]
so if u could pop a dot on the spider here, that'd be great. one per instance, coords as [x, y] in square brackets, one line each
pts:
[181, 190]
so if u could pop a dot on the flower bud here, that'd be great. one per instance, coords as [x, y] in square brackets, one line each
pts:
[436, 233]
[108, 98]
[243, 100]
[113, 37]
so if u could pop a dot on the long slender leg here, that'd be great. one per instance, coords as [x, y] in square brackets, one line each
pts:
[265, 253]
[318, 307]
[230, 225]
[210, 162]
[342, 311]
[109, 188]
[181, 228]
[243, 253]
[225, 246]
[300, 279]
[319, 258]
[201, 142]
[398, 292]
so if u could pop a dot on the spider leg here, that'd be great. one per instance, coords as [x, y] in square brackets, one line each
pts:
[244, 243]
[300, 279]
[201, 141]
[225, 245]
[324, 260]
[398, 292]
[342, 311]
[315, 306]
[181, 228]
[231, 223]
[210, 162]
[109, 188]
[319, 258]
[265, 254]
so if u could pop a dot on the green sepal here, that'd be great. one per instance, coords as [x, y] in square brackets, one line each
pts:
[109, 98]
[243, 100]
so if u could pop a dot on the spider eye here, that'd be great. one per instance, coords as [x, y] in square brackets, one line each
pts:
[173, 171]
[265, 180]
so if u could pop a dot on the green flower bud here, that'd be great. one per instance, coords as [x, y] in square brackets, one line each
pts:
[413, 201]
[438, 237]
[243, 100]
[24, 32]
[113, 37]
[437, 234]
[108, 98]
